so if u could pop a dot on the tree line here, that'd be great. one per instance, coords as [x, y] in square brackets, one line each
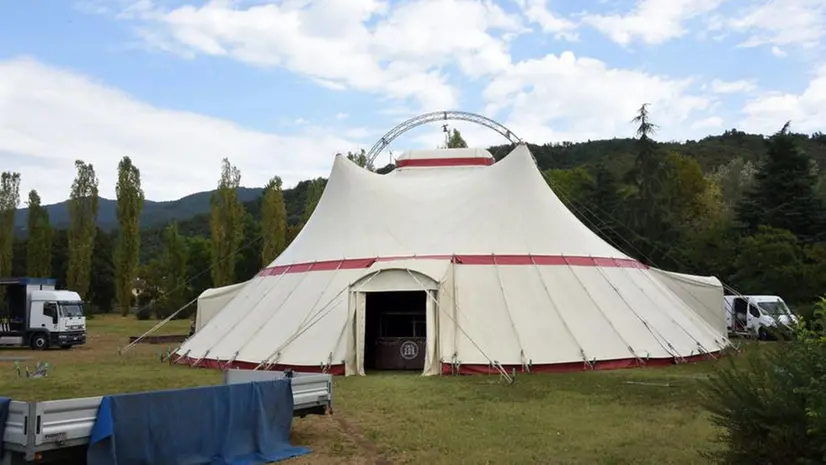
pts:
[753, 216]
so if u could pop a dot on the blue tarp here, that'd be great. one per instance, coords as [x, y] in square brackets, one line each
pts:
[235, 424]
[4, 416]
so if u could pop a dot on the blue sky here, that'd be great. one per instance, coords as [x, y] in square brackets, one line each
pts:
[280, 86]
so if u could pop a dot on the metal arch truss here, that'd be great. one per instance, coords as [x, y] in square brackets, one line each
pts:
[438, 116]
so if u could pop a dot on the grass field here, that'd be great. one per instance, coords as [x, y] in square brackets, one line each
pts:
[606, 417]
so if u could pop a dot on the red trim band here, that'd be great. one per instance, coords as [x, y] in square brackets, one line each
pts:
[470, 369]
[435, 162]
[219, 365]
[509, 260]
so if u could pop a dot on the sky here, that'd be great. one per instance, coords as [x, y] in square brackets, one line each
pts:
[279, 87]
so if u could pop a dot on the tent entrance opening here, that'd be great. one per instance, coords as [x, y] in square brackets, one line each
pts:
[395, 330]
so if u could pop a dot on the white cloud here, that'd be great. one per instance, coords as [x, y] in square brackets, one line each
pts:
[537, 11]
[778, 52]
[705, 124]
[400, 56]
[652, 21]
[568, 98]
[732, 87]
[807, 111]
[779, 23]
[49, 117]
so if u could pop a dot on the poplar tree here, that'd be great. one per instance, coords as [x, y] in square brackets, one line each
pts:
[83, 212]
[127, 254]
[273, 221]
[226, 225]
[9, 200]
[314, 191]
[175, 258]
[39, 245]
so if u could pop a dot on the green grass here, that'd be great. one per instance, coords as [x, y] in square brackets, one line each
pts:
[577, 418]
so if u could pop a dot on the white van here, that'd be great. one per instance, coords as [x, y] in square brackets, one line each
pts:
[755, 315]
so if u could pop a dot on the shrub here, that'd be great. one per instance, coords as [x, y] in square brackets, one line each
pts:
[143, 313]
[772, 404]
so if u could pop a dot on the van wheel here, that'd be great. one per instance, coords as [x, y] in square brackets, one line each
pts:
[762, 335]
[39, 342]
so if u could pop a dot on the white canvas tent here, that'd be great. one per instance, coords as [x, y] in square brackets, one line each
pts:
[512, 279]
[212, 301]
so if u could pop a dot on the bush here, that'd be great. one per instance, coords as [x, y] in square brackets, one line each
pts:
[772, 405]
[143, 313]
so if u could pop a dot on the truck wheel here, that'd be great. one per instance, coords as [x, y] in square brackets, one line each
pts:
[65, 346]
[39, 342]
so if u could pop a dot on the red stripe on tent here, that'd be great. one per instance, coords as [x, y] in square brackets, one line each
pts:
[434, 162]
[479, 369]
[465, 369]
[505, 260]
[219, 365]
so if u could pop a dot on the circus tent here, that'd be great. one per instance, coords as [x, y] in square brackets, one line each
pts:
[456, 264]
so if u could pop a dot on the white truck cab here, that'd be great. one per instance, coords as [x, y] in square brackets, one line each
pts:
[37, 315]
[757, 315]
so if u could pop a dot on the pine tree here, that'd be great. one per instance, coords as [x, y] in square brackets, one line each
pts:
[783, 194]
[39, 245]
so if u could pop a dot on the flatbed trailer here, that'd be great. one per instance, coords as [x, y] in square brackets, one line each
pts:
[53, 431]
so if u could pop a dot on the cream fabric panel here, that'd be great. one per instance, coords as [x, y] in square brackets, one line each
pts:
[483, 319]
[307, 327]
[704, 294]
[588, 325]
[695, 332]
[542, 331]
[212, 301]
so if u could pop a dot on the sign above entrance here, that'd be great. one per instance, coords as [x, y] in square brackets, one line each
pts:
[409, 350]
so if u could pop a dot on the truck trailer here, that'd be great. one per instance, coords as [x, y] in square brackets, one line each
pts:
[35, 314]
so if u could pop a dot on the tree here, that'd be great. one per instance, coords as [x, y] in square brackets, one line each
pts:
[360, 158]
[39, 246]
[604, 201]
[734, 178]
[683, 192]
[772, 262]
[102, 278]
[784, 192]
[647, 177]
[571, 186]
[83, 211]
[9, 200]
[198, 263]
[453, 139]
[273, 221]
[127, 254]
[314, 192]
[226, 224]
[175, 258]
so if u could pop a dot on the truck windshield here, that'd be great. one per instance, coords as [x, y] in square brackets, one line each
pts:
[774, 308]
[71, 309]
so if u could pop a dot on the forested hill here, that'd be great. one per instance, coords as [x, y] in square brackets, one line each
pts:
[154, 213]
[616, 154]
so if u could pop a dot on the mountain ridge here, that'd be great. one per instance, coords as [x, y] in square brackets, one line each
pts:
[155, 213]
